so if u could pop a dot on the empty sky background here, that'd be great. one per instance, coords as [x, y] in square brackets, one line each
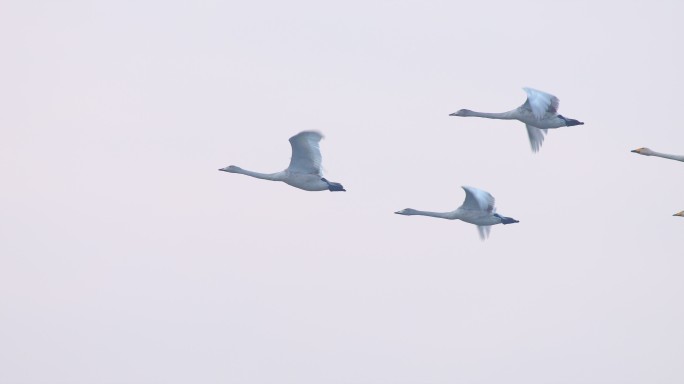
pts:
[126, 257]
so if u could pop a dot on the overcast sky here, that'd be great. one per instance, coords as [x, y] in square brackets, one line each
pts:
[126, 257]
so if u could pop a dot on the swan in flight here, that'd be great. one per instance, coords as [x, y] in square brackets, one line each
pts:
[478, 208]
[681, 214]
[648, 152]
[539, 112]
[304, 171]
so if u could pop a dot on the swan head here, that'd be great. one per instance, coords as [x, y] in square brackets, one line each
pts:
[643, 151]
[462, 112]
[407, 212]
[231, 169]
[680, 214]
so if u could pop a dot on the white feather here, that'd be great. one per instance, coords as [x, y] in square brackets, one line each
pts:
[478, 200]
[540, 103]
[306, 153]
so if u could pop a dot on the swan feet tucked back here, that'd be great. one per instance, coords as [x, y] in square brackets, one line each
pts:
[505, 220]
[334, 187]
[570, 122]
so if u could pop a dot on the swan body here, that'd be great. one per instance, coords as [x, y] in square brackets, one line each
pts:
[649, 152]
[478, 208]
[538, 113]
[304, 171]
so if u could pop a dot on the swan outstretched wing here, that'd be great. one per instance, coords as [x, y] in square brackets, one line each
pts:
[540, 103]
[536, 136]
[483, 230]
[306, 153]
[478, 200]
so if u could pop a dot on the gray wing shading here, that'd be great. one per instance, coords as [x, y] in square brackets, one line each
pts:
[483, 230]
[478, 200]
[306, 153]
[540, 103]
[536, 136]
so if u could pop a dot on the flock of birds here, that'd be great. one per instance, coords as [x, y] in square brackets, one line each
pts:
[539, 113]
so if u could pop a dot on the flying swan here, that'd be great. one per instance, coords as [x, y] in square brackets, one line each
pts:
[478, 208]
[681, 214]
[648, 152]
[304, 171]
[539, 113]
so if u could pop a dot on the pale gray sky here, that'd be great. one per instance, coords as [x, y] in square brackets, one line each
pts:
[126, 257]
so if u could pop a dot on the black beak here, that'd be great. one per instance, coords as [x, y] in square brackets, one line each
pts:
[634, 150]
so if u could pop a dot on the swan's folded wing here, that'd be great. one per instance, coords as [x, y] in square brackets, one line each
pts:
[306, 153]
[540, 103]
[536, 136]
[483, 230]
[478, 200]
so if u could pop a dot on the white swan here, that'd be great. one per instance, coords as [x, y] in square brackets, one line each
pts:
[648, 152]
[478, 208]
[679, 214]
[304, 171]
[539, 113]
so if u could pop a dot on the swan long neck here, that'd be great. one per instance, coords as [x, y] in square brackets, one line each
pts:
[509, 115]
[668, 156]
[265, 176]
[441, 215]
